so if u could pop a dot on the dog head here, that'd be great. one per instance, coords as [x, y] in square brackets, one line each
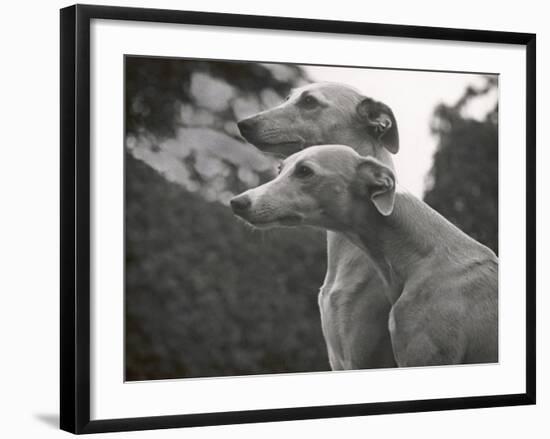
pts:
[322, 113]
[327, 186]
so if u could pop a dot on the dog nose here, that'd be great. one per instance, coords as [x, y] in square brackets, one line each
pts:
[240, 203]
[245, 126]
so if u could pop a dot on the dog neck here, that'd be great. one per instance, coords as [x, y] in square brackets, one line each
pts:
[400, 243]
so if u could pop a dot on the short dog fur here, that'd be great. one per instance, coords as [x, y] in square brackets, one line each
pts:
[352, 291]
[443, 284]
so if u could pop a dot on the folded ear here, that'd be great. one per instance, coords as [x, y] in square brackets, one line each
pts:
[377, 181]
[380, 123]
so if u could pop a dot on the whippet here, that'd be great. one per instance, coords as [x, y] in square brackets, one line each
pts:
[352, 291]
[443, 284]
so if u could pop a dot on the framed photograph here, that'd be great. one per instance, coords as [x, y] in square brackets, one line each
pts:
[268, 218]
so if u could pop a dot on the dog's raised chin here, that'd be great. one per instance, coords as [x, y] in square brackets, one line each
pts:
[264, 220]
[290, 220]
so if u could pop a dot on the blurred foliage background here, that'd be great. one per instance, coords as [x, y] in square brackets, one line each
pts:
[207, 295]
[463, 181]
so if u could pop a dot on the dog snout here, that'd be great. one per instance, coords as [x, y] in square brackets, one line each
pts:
[240, 203]
[246, 126]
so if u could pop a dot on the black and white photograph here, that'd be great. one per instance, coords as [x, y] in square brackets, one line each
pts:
[275, 220]
[296, 218]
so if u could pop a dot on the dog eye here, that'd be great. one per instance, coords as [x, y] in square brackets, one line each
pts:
[303, 171]
[309, 102]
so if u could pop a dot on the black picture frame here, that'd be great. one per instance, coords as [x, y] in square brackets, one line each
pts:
[75, 217]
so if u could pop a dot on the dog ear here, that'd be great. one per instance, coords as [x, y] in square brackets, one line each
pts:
[377, 181]
[380, 122]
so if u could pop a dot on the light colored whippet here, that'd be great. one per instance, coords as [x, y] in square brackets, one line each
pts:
[443, 284]
[352, 291]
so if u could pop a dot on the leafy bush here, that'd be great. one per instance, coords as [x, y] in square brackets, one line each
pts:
[208, 296]
[464, 175]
